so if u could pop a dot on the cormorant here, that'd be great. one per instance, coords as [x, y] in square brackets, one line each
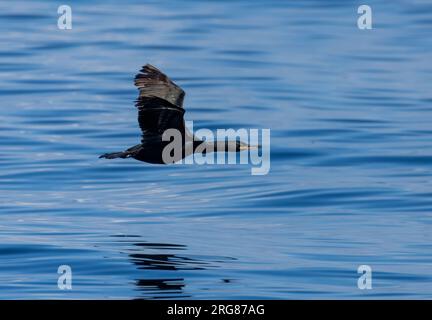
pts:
[160, 107]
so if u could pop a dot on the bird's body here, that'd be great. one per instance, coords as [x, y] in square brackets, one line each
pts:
[160, 111]
[150, 150]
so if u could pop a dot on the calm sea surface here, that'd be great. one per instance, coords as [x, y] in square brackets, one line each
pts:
[350, 183]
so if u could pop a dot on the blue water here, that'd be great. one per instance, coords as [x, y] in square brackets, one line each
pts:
[351, 151]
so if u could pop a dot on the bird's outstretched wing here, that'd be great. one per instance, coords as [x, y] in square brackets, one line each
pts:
[155, 115]
[151, 82]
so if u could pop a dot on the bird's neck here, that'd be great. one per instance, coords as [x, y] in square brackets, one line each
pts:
[215, 146]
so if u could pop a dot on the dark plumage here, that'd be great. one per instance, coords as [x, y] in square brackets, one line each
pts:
[160, 107]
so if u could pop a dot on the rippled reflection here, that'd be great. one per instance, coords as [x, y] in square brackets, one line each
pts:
[168, 260]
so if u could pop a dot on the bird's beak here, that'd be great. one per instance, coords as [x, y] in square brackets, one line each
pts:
[248, 147]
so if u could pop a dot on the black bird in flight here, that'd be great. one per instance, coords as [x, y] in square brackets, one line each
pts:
[160, 107]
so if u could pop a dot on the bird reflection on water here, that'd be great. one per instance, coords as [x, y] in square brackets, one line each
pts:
[152, 257]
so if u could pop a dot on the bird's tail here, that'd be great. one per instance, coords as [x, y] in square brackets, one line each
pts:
[114, 155]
